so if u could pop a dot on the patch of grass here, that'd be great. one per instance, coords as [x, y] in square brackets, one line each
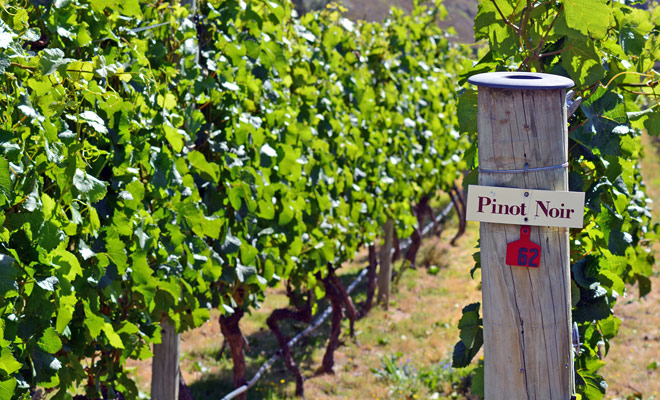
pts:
[437, 380]
[434, 254]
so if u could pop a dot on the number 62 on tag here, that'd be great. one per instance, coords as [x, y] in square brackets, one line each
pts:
[523, 252]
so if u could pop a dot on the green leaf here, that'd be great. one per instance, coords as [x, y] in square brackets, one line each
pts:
[7, 389]
[5, 180]
[212, 226]
[610, 326]
[90, 187]
[231, 244]
[93, 322]
[582, 63]
[198, 161]
[200, 315]
[48, 206]
[489, 24]
[142, 276]
[99, 5]
[591, 385]
[116, 250]
[266, 209]
[5, 62]
[113, 338]
[51, 60]
[67, 263]
[173, 136]
[477, 386]
[244, 272]
[96, 122]
[619, 242]
[46, 367]
[128, 328]
[49, 236]
[644, 284]
[65, 311]
[8, 275]
[471, 333]
[50, 341]
[33, 200]
[267, 154]
[652, 124]
[613, 281]
[131, 8]
[136, 190]
[8, 363]
[277, 10]
[235, 197]
[469, 324]
[589, 310]
[589, 17]
[49, 284]
[285, 215]
[467, 111]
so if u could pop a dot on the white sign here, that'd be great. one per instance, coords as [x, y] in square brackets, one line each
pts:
[525, 206]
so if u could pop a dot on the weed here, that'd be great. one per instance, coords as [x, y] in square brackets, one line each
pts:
[439, 379]
[636, 396]
[404, 378]
[434, 253]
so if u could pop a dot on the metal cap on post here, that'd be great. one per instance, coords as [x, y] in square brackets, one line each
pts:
[523, 143]
[521, 81]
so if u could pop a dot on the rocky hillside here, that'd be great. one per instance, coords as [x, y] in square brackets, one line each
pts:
[461, 12]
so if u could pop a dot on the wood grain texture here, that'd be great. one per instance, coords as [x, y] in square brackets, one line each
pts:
[385, 271]
[165, 367]
[526, 311]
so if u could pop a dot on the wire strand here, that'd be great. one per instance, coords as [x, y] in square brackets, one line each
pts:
[523, 170]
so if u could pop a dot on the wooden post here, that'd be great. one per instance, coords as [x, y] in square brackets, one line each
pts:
[165, 367]
[522, 124]
[385, 271]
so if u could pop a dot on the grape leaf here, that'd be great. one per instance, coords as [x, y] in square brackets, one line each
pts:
[590, 17]
[50, 341]
[51, 60]
[8, 363]
[90, 187]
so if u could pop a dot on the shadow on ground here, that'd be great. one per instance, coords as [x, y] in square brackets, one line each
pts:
[262, 345]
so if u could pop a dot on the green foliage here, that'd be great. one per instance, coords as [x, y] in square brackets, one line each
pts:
[404, 377]
[609, 50]
[472, 336]
[154, 165]
[428, 381]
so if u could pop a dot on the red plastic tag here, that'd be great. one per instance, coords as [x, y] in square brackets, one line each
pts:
[523, 252]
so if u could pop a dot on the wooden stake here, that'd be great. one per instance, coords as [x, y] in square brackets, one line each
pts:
[526, 311]
[385, 271]
[165, 369]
